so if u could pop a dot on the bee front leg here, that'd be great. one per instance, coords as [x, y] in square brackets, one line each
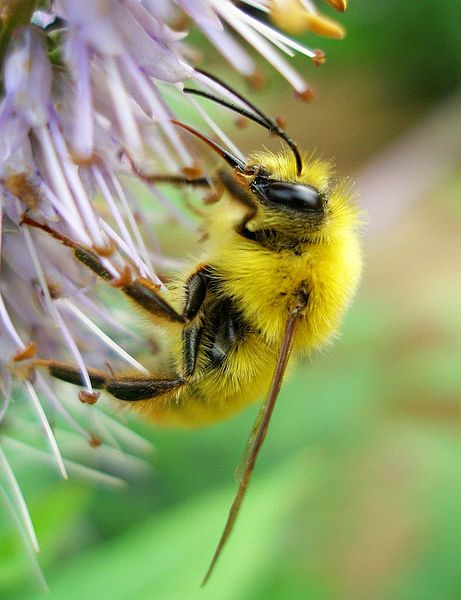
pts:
[146, 295]
[181, 180]
[172, 178]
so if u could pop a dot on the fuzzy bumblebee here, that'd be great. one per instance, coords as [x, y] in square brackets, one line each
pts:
[299, 249]
[281, 262]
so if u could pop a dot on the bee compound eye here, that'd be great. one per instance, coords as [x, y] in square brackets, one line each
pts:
[292, 195]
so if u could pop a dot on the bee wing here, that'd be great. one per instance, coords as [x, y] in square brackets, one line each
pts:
[257, 436]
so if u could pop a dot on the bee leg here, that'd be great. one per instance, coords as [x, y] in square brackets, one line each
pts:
[240, 195]
[145, 294]
[179, 180]
[131, 388]
[227, 329]
[167, 177]
[191, 337]
[174, 179]
[124, 387]
[70, 373]
[141, 290]
[195, 291]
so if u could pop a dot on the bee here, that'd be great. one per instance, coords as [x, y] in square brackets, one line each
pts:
[280, 264]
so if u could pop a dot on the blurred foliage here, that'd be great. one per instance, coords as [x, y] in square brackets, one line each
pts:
[357, 493]
[413, 47]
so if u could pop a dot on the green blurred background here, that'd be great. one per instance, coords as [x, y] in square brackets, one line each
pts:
[357, 493]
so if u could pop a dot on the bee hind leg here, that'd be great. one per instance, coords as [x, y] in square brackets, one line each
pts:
[131, 388]
[72, 374]
[124, 387]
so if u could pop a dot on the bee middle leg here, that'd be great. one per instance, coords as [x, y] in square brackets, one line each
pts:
[133, 388]
[146, 295]
[140, 289]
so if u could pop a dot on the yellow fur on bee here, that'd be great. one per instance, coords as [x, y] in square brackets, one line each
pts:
[264, 286]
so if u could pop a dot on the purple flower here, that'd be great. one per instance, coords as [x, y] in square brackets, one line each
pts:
[85, 85]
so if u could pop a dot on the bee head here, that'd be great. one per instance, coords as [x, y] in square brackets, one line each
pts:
[287, 200]
[293, 194]
[275, 180]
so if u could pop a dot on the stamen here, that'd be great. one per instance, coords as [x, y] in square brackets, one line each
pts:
[128, 465]
[128, 436]
[103, 336]
[164, 117]
[145, 88]
[122, 105]
[46, 428]
[177, 214]
[76, 186]
[257, 5]
[58, 180]
[310, 6]
[141, 248]
[101, 312]
[232, 51]
[83, 135]
[340, 5]
[73, 468]
[10, 328]
[234, 18]
[121, 244]
[57, 405]
[57, 205]
[115, 213]
[6, 385]
[54, 312]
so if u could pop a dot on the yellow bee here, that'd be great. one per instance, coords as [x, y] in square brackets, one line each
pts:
[281, 261]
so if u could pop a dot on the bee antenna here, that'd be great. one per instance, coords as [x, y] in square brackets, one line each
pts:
[234, 92]
[259, 117]
[231, 160]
